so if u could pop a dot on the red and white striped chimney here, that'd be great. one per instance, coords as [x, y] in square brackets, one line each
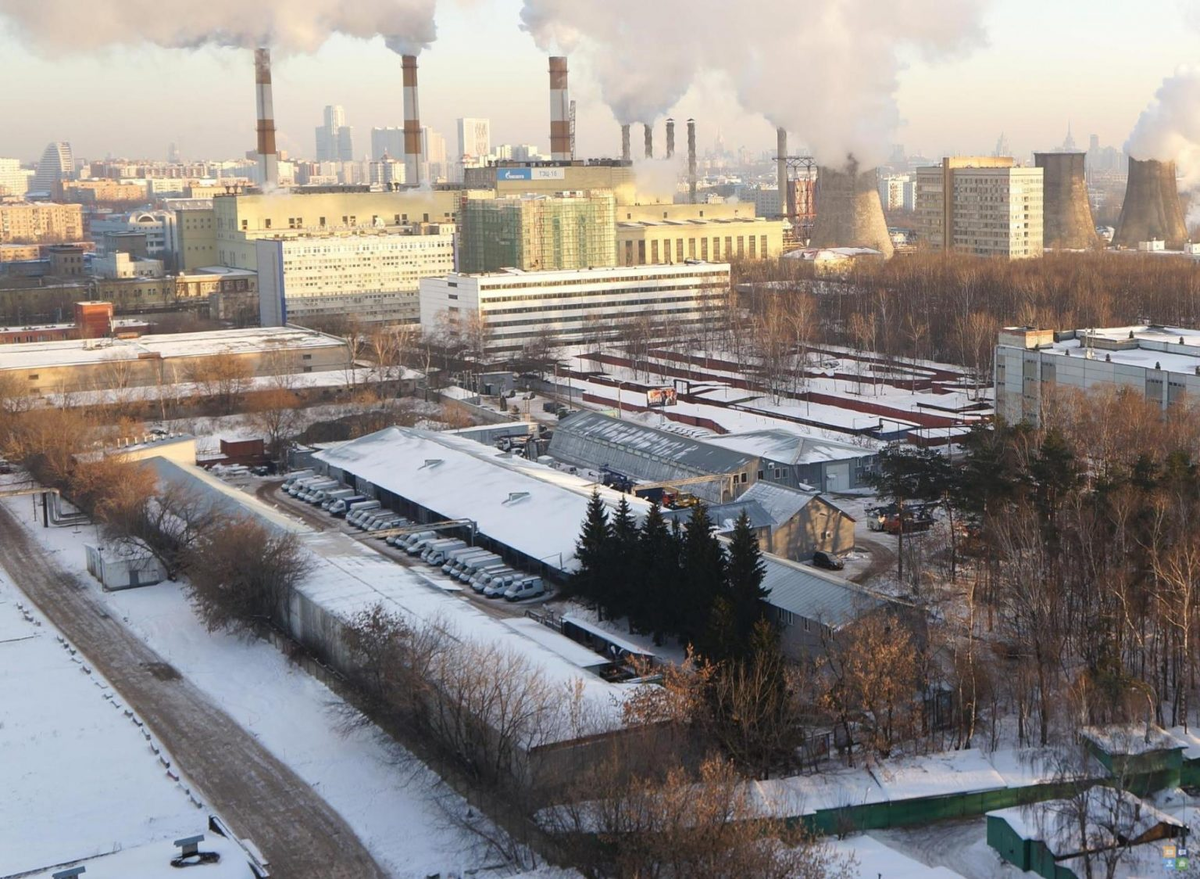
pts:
[412, 122]
[560, 111]
[268, 156]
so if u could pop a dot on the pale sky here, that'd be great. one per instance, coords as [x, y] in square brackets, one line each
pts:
[1096, 64]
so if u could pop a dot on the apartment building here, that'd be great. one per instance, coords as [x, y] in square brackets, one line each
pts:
[981, 205]
[29, 222]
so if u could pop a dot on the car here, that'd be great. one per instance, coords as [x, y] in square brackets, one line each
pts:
[530, 587]
[827, 560]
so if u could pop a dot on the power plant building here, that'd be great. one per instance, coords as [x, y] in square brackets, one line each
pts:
[848, 210]
[1162, 363]
[572, 230]
[517, 307]
[370, 277]
[665, 241]
[1152, 210]
[981, 205]
[1067, 213]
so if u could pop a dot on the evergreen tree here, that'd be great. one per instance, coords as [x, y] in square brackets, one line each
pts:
[703, 569]
[625, 583]
[746, 595]
[593, 550]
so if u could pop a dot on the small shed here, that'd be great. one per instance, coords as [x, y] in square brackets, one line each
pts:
[123, 567]
[1144, 759]
[1045, 838]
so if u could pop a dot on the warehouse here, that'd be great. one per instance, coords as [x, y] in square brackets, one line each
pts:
[800, 460]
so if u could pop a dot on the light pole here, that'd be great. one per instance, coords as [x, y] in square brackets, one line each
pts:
[620, 384]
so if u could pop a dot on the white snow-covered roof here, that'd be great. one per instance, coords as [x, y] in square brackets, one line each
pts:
[780, 503]
[873, 859]
[1130, 739]
[789, 447]
[1056, 822]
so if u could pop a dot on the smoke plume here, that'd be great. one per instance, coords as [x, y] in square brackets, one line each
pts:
[284, 25]
[827, 70]
[1170, 127]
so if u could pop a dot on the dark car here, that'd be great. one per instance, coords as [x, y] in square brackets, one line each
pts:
[828, 561]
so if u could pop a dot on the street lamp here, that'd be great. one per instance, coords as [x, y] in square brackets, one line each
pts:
[620, 384]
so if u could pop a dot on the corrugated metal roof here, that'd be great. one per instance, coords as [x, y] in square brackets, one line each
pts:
[780, 503]
[816, 595]
[723, 516]
[788, 447]
[591, 439]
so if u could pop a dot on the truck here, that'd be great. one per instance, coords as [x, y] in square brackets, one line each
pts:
[295, 476]
[435, 546]
[467, 569]
[327, 501]
[403, 541]
[339, 508]
[357, 510]
[453, 557]
[475, 580]
[310, 490]
[437, 557]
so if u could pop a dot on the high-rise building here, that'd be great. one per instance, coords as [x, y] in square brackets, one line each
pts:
[57, 165]
[27, 223]
[433, 148]
[13, 178]
[474, 141]
[371, 277]
[387, 141]
[536, 233]
[981, 205]
[575, 306]
[335, 140]
[893, 190]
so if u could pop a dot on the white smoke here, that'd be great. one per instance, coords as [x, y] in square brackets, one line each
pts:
[827, 70]
[1169, 129]
[283, 25]
[657, 180]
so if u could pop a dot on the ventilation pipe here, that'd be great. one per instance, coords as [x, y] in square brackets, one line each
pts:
[268, 156]
[412, 122]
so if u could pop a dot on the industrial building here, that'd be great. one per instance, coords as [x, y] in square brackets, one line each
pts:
[981, 205]
[567, 230]
[1152, 210]
[547, 178]
[33, 222]
[799, 460]
[573, 306]
[1067, 212]
[370, 276]
[244, 218]
[102, 364]
[1162, 363]
[849, 213]
[665, 241]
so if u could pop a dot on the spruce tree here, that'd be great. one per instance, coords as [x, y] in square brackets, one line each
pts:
[746, 595]
[624, 586]
[658, 561]
[593, 551]
[703, 564]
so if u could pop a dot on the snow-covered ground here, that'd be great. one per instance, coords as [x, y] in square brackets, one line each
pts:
[390, 800]
[79, 776]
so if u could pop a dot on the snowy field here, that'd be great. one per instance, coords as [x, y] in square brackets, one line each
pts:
[387, 798]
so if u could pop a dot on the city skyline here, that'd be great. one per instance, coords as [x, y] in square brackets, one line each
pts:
[1000, 87]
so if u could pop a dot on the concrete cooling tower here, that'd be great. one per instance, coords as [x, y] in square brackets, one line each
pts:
[1067, 214]
[1152, 209]
[849, 213]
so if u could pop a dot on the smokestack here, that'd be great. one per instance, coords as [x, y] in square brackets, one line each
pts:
[560, 124]
[626, 149]
[268, 157]
[691, 124]
[1152, 208]
[781, 152]
[670, 138]
[412, 122]
[849, 213]
[1067, 214]
[648, 137]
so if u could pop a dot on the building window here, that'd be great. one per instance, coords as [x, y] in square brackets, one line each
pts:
[306, 357]
[745, 477]
[308, 369]
[267, 222]
[760, 474]
[654, 252]
[641, 253]
[322, 222]
[805, 623]
[33, 376]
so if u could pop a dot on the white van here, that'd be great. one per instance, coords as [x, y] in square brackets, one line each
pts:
[402, 541]
[495, 582]
[437, 558]
[300, 484]
[471, 566]
[530, 587]
[327, 501]
[310, 491]
[341, 506]
[295, 476]
[435, 545]
[475, 580]
[360, 509]
[455, 559]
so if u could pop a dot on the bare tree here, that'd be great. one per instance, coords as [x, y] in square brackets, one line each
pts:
[276, 412]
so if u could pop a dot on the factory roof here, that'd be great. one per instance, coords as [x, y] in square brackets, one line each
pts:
[597, 273]
[789, 447]
[724, 516]
[1171, 349]
[780, 502]
[824, 598]
[81, 352]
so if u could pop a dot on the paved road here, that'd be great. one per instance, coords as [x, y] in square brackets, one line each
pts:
[260, 797]
[883, 558]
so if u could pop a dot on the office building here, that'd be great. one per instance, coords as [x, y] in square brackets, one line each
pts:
[433, 149]
[57, 165]
[980, 205]
[898, 192]
[387, 142]
[158, 227]
[371, 277]
[574, 306]
[195, 237]
[474, 141]
[335, 139]
[30, 222]
[14, 180]
[1162, 363]
[242, 219]
[537, 232]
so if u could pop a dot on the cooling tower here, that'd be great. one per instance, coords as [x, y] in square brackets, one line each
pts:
[691, 128]
[412, 122]
[1067, 214]
[560, 111]
[670, 138]
[1152, 209]
[648, 138]
[268, 157]
[626, 148]
[849, 213]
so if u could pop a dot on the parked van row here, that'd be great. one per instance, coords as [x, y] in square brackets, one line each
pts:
[483, 571]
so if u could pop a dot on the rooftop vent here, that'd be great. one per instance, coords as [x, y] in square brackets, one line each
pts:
[431, 462]
[514, 496]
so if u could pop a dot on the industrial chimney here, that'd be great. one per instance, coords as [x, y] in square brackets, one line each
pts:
[648, 137]
[781, 152]
[560, 112]
[1067, 214]
[1152, 209]
[626, 149]
[691, 128]
[670, 138]
[268, 157]
[412, 122]
[849, 213]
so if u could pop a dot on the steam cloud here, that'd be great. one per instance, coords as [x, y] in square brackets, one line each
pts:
[826, 70]
[1170, 127]
[284, 25]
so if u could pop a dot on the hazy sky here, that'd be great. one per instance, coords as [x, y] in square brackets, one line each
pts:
[1096, 64]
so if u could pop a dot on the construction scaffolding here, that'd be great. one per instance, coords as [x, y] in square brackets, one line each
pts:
[538, 233]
